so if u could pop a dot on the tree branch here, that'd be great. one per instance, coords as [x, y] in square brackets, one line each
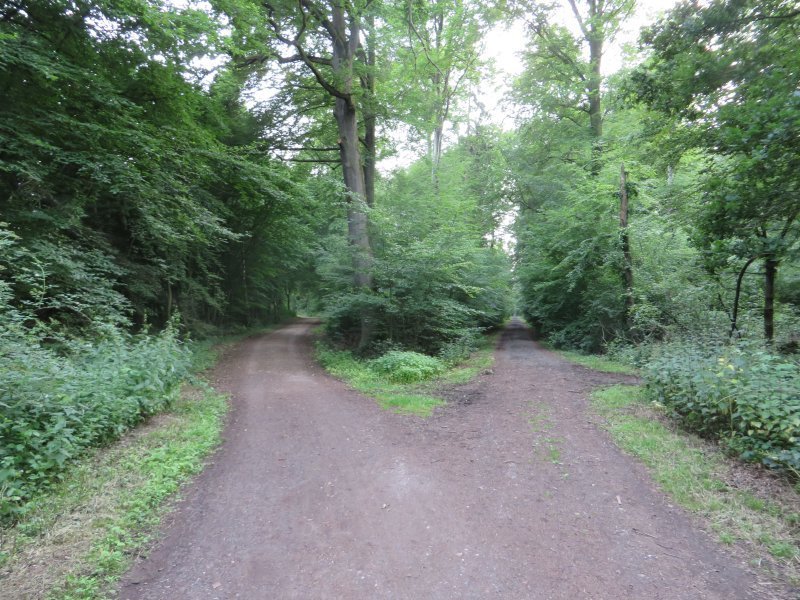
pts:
[303, 56]
[579, 18]
[262, 58]
[425, 43]
[319, 16]
[311, 160]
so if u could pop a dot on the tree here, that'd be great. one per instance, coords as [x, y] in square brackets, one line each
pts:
[568, 69]
[123, 175]
[559, 178]
[729, 73]
[326, 37]
[438, 62]
[438, 279]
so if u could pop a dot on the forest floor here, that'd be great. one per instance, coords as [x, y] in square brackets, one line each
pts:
[513, 490]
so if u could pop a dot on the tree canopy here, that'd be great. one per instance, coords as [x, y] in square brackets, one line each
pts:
[189, 167]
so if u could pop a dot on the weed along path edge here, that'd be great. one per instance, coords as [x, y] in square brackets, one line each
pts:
[510, 491]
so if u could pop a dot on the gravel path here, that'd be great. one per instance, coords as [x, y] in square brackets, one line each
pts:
[511, 491]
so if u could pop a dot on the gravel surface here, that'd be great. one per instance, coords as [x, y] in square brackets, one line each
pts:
[511, 491]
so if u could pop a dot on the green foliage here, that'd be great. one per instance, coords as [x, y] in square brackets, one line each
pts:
[598, 363]
[699, 478]
[568, 239]
[712, 175]
[433, 62]
[743, 394]
[724, 77]
[569, 271]
[407, 367]
[400, 396]
[129, 185]
[438, 280]
[109, 504]
[406, 382]
[460, 348]
[55, 405]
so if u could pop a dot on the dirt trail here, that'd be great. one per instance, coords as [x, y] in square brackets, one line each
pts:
[512, 491]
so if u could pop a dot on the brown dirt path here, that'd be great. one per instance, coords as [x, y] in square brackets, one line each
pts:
[317, 493]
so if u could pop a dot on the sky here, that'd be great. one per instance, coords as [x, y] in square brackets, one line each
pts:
[505, 43]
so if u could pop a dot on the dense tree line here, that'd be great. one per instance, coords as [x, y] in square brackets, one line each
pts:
[132, 190]
[136, 184]
[658, 210]
[700, 140]
[190, 166]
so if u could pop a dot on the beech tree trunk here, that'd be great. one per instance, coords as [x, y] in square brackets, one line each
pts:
[594, 84]
[343, 30]
[347, 122]
[345, 46]
[595, 104]
[369, 115]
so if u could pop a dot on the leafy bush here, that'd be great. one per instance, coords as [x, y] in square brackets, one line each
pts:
[407, 367]
[436, 280]
[342, 364]
[743, 394]
[55, 405]
[459, 349]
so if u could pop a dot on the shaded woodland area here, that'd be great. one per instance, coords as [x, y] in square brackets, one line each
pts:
[173, 170]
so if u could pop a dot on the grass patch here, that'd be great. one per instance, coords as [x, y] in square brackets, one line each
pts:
[406, 398]
[416, 398]
[75, 541]
[698, 477]
[479, 361]
[596, 362]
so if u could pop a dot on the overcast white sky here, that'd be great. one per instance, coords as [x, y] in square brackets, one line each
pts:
[504, 45]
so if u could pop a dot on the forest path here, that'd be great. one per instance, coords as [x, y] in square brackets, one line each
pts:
[511, 491]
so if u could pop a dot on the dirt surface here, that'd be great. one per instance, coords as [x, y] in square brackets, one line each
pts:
[511, 491]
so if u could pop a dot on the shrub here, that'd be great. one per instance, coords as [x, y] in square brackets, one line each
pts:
[458, 350]
[745, 395]
[407, 367]
[55, 405]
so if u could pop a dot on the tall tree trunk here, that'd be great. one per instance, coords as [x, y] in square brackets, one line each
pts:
[594, 88]
[370, 151]
[436, 156]
[437, 135]
[770, 271]
[347, 122]
[345, 46]
[627, 261]
[441, 81]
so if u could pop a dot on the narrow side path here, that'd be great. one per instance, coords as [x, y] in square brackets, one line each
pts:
[514, 492]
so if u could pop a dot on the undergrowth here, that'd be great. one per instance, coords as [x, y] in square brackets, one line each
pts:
[698, 477]
[108, 504]
[405, 382]
[743, 395]
[58, 401]
[407, 367]
[73, 540]
[596, 362]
